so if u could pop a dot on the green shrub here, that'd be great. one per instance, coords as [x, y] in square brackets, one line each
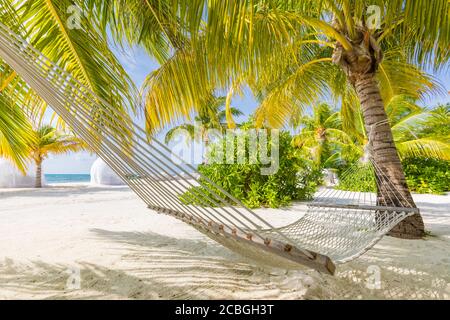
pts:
[294, 180]
[426, 175]
[359, 178]
[423, 175]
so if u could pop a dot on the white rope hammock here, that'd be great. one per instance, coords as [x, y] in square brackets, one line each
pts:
[337, 227]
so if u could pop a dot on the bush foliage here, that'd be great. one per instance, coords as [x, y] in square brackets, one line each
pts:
[360, 178]
[426, 175]
[423, 175]
[295, 178]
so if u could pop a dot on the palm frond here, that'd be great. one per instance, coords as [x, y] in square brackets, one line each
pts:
[151, 24]
[303, 85]
[82, 51]
[15, 133]
[187, 130]
[177, 89]
[397, 76]
[424, 147]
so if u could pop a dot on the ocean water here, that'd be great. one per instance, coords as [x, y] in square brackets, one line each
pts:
[67, 178]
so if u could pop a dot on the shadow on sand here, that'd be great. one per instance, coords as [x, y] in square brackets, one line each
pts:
[154, 266]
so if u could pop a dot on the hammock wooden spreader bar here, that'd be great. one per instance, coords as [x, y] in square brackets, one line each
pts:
[336, 228]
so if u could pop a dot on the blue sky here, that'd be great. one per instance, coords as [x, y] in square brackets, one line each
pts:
[139, 65]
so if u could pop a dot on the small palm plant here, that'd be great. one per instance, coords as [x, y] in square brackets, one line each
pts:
[211, 116]
[322, 134]
[48, 140]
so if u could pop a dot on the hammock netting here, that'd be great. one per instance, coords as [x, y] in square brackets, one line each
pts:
[336, 227]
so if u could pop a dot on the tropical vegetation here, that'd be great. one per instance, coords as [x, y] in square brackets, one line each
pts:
[322, 137]
[296, 177]
[421, 136]
[322, 143]
[83, 51]
[289, 53]
[427, 175]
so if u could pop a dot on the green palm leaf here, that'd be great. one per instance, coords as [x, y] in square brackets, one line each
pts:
[424, 147]
[185, 129]
[83, 51]
[15, 133]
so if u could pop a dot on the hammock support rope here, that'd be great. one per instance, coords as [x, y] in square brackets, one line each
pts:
[337, 227]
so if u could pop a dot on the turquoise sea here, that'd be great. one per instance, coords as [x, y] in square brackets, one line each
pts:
[67, 178]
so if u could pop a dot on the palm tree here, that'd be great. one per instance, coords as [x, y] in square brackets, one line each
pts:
[211, 116]
[50, 141]
[322, 134]
[292, 52]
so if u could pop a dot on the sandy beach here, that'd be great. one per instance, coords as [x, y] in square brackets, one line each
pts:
[115, 248]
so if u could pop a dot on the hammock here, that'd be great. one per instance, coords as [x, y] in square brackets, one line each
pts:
[338, 226]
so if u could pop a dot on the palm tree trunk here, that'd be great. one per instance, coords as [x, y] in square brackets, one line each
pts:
[38, 181]
[205, 155]
[385, 156]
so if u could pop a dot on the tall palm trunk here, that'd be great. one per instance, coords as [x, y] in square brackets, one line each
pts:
[38, 181]
[360, 64]
[206, 141]
[385, 156]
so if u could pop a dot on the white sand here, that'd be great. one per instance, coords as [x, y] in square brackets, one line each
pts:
[124, 251]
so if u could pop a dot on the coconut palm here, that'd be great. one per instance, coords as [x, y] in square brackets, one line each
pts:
[321, 133]
[49, 141]
[211, 116]
[292, 52]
